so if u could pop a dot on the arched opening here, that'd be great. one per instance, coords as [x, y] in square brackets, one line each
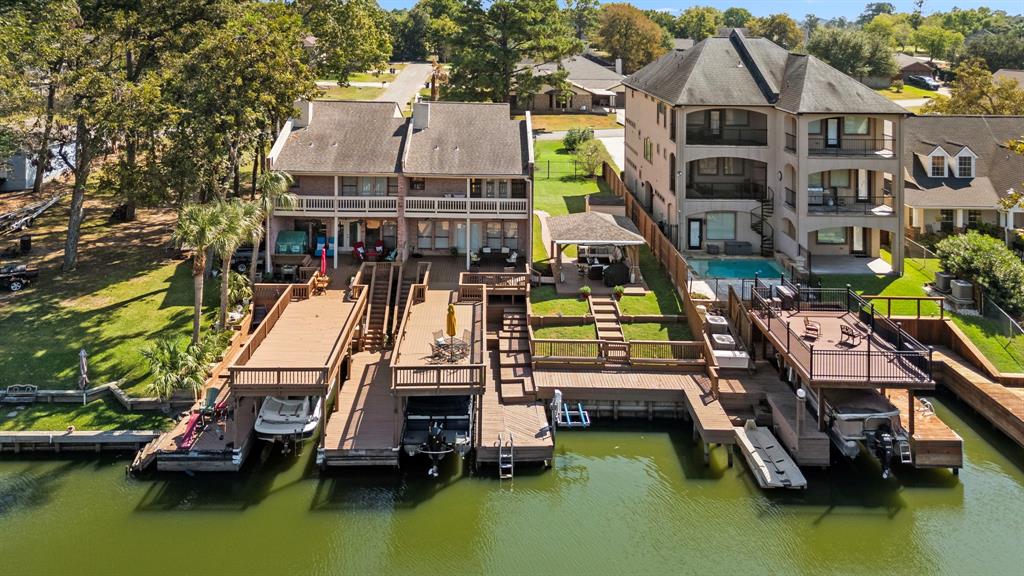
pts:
[842, 249]
[726, 178]
[726, 127]
[849, 191]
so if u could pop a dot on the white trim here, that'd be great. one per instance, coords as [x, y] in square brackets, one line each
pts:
[279, 143]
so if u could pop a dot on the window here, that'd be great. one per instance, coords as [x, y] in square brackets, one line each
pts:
[832, 236]
[424, 234]
[441, 233]
[349, 186]
[707, 166]
[417, 184]
[512, 234]
[489, 189]
[672, 172]
[502, 188]
[672, 126]
[737, 117]
[563, 100]
[938, 166]
[814, 127]
[973, 216]
[648, 149]
[494, 234]
[855, 125]
[519, 188]
[721, 225]
[295, 182]
[965, 167]
[389, 233]
[475, 188]
[734, 166]
[661, 113]
[814, 181]
[392, 186]
[839, 179]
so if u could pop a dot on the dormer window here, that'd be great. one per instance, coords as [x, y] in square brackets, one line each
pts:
[965, 167]
[938, 167]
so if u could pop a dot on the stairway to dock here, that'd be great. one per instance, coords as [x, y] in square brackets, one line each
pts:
[606, 316]
[379, 304]
[514, 373]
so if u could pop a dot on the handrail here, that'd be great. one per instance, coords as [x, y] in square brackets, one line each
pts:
[849, 146]
[851, 203]
[702, 135]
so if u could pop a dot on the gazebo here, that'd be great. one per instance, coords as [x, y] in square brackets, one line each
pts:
[609, 251]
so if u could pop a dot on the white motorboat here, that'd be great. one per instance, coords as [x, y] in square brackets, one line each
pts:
[291, 419]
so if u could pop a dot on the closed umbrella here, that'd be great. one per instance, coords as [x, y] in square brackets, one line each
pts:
[83, 372]
[449, 327]
[323, 260]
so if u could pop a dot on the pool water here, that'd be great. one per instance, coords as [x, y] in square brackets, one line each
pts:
[734, 267]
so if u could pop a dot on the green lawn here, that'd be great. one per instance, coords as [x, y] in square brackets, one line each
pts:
[992, 339]
[909, 92]
[556, 190]
[105, 414]
[660, 299]
[563, 122]
[540, 251]
[657, 331]
[546, 302]
[584, 332]
[350, 93]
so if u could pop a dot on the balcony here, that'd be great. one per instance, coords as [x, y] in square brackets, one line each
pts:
[790, 142]
[472, 207]
[726, 191]
[828, 203]
[340, 206]
[726, 136]
[851, 146]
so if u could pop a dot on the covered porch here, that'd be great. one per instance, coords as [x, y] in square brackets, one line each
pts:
[608, 253]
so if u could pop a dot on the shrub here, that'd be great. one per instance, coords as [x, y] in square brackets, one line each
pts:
[575, 137]
[588, 154]
[585, 291]
[619, 291]
[897, 85]
[989, 264]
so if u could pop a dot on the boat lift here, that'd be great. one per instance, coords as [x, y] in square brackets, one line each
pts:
[568, 417]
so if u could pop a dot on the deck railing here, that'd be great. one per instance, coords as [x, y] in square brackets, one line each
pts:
[350, 205]
[425, 206]
[501, 282]
[635, 352]
[850, 146]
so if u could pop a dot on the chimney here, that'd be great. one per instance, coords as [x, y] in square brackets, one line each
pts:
[305, 117]
[420, 115]
[618, 65]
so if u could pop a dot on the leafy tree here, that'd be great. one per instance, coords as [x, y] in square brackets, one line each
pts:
[496, 38]
[16, 93]
[173, 367]
[974, 92]
[200, 227]
[778, 28]
[998, 51]
[736, 17]
[240, 223]
[938, 42]
[575, 138]
[664, 19]
[528, 84]
[873, 9]
[582, 15]
[588, 155]
[916, 17]
[894, 29]
[853, 51]
[626, 33]
[698, 22]
[441, 26]
[408, 29]
[988, 263]
[971, 20]
[352, 36]
[811, 23]
[273, 190]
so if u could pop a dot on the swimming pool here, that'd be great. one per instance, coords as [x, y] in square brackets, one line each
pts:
[734, 267]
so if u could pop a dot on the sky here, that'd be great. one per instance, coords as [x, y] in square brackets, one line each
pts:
[798, 8]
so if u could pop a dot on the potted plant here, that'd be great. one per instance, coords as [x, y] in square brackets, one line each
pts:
[618, 291]
[585, 292]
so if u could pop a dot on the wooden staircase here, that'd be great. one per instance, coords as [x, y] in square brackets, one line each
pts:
[380, 301]
[515, 375]
[606, 315]
[405, 283]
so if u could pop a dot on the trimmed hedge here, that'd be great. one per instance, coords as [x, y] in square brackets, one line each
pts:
[989, 264]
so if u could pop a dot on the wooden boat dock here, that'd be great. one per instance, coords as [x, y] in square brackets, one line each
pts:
[526, 424]
[1001, 405]
[364, 427]
[64, 441]
[933, 443]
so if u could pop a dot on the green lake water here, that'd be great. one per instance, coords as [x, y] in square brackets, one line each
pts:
[617, 501]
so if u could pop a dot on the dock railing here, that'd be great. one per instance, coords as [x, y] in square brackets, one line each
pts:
[892, 355]
[551, 351]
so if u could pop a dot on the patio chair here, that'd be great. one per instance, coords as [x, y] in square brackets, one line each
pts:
[439, 337]
[848, 335]
[513, 257]
[812, 329]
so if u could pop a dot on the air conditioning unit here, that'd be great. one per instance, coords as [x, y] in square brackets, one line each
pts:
[942, 280]
[962, 290]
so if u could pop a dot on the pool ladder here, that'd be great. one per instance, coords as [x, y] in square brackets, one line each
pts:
[506, 456]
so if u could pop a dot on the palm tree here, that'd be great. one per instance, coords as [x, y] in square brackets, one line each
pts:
[241, 221]
[273, 191]
[174, 367]
[199, 227]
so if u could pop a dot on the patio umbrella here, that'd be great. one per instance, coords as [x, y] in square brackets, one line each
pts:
[323, 260]
[83, 372]
[449, 328]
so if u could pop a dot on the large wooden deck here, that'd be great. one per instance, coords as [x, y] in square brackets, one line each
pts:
[933, 444]
[306, 334]
[630, 385]
[526, 423]
[363, 429]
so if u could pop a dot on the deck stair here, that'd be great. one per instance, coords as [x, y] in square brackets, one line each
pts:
[515, 375]
[506, 456]
[759, 222]
[404, 286]
[144, 458]
[606, 316]
[380, 301]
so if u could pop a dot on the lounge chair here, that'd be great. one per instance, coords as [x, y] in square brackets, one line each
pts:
[210, 404]
[812, 329]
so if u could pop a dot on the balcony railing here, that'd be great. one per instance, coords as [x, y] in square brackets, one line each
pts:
[726, 191]
[726, 136]
[850, 146]
[790, 197]
[464, 206]
[790, 142]
[829, 203]
[331, 205]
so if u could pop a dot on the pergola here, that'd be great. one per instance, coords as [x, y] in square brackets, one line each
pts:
[596, 229]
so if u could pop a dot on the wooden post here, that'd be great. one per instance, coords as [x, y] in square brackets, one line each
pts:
[801, 408]
[821, 411]
[910, 407]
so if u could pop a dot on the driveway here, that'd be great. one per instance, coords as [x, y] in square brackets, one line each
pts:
[616, 147]
[407, 84]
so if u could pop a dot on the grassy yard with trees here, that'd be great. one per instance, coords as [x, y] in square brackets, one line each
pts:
[104, 414]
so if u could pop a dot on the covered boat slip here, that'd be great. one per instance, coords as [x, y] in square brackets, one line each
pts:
[365, 426]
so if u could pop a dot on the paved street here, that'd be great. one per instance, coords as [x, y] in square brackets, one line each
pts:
[406, 84]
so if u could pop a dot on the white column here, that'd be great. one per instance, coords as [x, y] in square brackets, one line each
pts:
[335, 233]
[468, 246]
[958, 218]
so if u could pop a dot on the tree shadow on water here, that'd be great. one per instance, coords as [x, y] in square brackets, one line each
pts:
[35, 484]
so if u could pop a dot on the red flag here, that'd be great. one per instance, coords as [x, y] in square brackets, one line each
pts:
[323, 260]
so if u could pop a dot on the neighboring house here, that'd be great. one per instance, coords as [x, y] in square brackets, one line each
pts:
[682, 43]
[957, 170]
[738, 141]
[591, 86]
[910, 66]
[453, 178]
[19, 171]
[1015, 75]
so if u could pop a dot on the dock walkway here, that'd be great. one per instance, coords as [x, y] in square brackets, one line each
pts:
[364, 426]
[1003, 406]
[933, 444]
[527, 424]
